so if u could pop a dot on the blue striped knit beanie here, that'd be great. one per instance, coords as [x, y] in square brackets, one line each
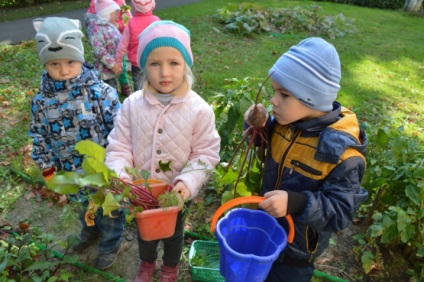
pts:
[311, 72]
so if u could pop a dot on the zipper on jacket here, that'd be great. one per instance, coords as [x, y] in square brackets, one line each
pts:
[304, 167]
[309, 249]
[281, 164]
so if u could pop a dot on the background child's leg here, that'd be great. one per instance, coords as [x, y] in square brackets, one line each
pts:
[124, 79]
[136, 76]
[112, 82]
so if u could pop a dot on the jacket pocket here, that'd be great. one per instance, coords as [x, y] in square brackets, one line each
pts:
[304, 167]
[312, 239]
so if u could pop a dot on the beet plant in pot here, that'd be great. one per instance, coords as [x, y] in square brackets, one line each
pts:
[104, 189]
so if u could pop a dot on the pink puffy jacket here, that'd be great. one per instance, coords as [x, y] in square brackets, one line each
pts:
[181, 133]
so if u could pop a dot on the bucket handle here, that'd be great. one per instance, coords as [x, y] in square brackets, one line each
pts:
[248, 200]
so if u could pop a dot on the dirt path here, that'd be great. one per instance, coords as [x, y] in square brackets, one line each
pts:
[337, 261]
[46, 217]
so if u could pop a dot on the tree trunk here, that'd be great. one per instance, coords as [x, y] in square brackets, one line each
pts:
[413, 5]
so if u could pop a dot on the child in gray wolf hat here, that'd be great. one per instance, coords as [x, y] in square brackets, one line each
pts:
[73, 104]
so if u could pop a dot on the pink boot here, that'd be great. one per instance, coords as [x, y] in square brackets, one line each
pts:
[168, 274]
[146, 272]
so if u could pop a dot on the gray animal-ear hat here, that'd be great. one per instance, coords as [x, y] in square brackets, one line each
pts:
[58, 38]
[311, 72]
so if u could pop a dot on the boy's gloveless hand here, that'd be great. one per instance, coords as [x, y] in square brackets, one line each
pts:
[256, 116]
[275, 203]
[183, 190]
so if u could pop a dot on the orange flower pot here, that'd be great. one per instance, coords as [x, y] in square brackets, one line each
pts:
[157, 186]
[158, 223]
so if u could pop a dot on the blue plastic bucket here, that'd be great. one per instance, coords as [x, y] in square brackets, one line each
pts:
[249, 241]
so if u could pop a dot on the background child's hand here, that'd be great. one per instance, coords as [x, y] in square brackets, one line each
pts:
[183, 190]
[275, 203]
[256, 115]
[117, 68]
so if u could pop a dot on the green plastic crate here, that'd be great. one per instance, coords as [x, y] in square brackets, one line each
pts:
[205, 253]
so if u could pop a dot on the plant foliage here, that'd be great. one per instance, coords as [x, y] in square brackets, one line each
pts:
[104, 188]
[230, 107]
[395, 179]
[249, 19]
[31, 257]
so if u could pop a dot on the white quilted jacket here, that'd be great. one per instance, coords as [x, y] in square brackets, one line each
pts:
[181, 133]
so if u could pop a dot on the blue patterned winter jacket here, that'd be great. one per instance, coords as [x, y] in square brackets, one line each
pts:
[65, 112]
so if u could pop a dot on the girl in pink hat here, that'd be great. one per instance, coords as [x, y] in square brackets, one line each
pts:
[143, 17]
[165, 122]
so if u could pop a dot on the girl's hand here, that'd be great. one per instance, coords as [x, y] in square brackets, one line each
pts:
[117, 68]
[183, 190]
[256, 116]
[275, 203]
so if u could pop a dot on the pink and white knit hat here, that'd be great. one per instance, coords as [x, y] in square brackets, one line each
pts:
[105, 7]
[164, 34]
[143, 6]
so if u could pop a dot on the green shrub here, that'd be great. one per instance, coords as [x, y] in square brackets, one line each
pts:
[381, 4]
[249, 19]
[395, 181]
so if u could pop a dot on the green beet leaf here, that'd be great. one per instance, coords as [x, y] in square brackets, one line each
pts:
[91, 149]
[67, 183]
[110, 204]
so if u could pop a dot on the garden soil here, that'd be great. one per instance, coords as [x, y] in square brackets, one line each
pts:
[337, 261]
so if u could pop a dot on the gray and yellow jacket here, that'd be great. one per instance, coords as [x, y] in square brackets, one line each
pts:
[320, 163]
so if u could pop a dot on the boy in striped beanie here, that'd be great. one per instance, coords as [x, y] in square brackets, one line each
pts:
[316, 155]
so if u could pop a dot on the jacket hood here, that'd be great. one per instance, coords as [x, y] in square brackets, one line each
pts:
[88, 76]
[314, 126]
[339, 136]
[140, 14]
[337, 130]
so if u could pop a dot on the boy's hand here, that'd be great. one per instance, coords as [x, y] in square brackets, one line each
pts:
[275, 203]
[183, 190]
[256, 116]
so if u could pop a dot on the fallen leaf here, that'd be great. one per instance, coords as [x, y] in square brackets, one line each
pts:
[29, 196]
[63, 200]
[6, 103]
[24, 225]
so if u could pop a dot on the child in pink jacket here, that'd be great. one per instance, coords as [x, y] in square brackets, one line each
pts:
[123, 17]
[142, 18]
[165, 123]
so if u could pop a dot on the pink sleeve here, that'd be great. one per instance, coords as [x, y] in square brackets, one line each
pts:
[123, 45]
